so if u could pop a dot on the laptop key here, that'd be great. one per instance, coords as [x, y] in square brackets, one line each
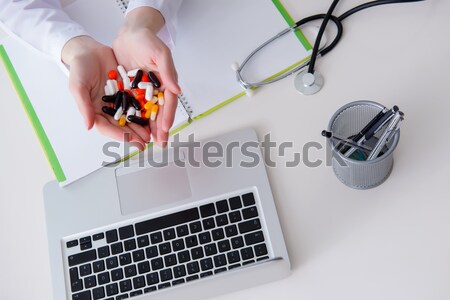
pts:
[209, 223]
[204, 237]
[191, 278]
[191, 241]
[125, 286]
[231, 230]
[237, 242]
[164, 285]
[125, 259]
[135, 293]
[224, 245]
[151, 252]
[207, 210]
[235, 216]
[179, 271]
[121, 297]
[260, 250]
[165, 275]
[117, 274]
[184, 256]
[220, 260]
[98, 293]
[85, 246]
[98, 266]
[112, 289]
[111, 263]
[218, 234]
[206, 274]
[233, 257]
[222, 206]
[82, 258]
[156, 238]
[85, 270]
[126, 232]
[178, 245]
[195, 227]
[234, 266]
[84, 240]
[103, 252]
[130, 271]
[152, 278]
[250, 225]
[250, 212]
[111, 236]
[144, 267]
[90, 282]
[217, 271]
[76, 285]
[248, 199]
[103, 278]
[116, 248]
[130, 245]
[210, 249]
[143, 241]
[254, 238]
[86, 295]
[169, 234]
[235, 202]
[193, 267]
[206, 264]
[157, 263]
[150, 289]
[138, 282]
[138, 255]
[178, 281]
[170, 260]
[222, 220]
[165, 248]
[71, 244]
[182, 230]
[98, 236]
[247, 253]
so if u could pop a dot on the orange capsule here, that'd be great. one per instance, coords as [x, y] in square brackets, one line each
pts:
[139, 91]
[120, 85]
[122, 121]
[113, 75]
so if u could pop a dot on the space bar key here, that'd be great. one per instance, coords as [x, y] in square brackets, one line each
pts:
[167, 221]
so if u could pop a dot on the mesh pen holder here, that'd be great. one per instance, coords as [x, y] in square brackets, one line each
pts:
[360, 174]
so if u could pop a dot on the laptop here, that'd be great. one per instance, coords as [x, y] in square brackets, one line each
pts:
[177, 226]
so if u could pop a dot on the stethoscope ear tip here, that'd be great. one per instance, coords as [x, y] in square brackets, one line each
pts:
[250, 92]
[235, 66]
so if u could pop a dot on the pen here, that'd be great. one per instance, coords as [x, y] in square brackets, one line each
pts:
[385, 137]
[370, 131]
[345, 141]
[363, 131]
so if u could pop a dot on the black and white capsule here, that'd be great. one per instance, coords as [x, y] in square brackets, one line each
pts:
[118, 100]
[125, 101]
[109, 98]
[109, 111]
[137, 120]
[154, 79]
[135, 103]
[137, 79]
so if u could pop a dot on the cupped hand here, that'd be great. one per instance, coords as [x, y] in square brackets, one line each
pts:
[89, 63]
[137, 46]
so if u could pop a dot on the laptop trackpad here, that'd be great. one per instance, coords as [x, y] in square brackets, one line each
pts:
[143, 189]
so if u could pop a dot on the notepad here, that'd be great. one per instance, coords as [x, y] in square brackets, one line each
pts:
[211, 36]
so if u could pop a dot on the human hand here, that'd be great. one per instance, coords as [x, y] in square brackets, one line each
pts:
[137, 46]
[89, 63]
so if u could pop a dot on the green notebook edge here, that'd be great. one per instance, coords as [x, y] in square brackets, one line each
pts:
[32, 116]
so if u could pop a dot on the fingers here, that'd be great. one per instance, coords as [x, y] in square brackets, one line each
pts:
[84, 103]
[167, 72]
[170, 108]
[126, 134]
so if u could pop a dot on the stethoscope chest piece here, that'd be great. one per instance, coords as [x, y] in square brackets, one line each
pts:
[308, 83]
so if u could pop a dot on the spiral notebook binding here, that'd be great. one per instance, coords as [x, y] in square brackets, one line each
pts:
[123, 5]
[186, 104]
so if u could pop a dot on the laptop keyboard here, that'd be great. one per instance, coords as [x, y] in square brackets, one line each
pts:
[166, 251]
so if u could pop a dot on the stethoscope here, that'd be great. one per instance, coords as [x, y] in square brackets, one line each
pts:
[307, 81]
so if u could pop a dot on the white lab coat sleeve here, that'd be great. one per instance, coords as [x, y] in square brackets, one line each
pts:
[41, 23]
[169, 10]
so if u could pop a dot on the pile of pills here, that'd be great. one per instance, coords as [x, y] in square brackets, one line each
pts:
[135, 99]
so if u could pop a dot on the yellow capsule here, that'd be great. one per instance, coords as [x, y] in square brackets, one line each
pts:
[122, 121]
[161, 98]
[154, 112]
[148, 113]
[148, 105]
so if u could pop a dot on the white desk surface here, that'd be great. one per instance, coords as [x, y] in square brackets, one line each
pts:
[391, 242]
